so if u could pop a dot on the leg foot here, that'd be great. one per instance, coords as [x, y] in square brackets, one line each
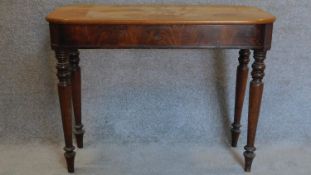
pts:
[70, 157]
[79, 132]
[235, 133]
[249, 156]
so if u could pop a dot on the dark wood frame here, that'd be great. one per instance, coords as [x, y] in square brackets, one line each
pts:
[66, 39]
[161, 36]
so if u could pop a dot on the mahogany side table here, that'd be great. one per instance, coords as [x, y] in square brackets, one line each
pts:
[76, 27]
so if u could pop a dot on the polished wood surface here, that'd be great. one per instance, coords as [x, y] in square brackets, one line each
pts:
[255, 95]
[159, 14]
[64, 92]
[76, 95]
[160, 36]
[159, 26]
[241, 81]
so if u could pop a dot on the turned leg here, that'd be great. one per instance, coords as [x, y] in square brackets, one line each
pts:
[241, 80]
[76, 95]
[64, 92]
[256, 89]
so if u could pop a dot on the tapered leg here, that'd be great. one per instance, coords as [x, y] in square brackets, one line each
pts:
[241, 80]
[76, 95]
[64, 92]
[256, 89]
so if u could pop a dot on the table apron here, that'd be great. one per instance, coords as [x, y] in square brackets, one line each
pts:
[160, 36]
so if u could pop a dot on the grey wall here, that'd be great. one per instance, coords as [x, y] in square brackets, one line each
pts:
[152, 95]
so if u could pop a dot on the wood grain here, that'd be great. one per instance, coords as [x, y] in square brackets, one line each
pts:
[158, 36]
[159, 14]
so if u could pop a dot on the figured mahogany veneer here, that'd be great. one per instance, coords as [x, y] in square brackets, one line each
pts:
[160, 36]
[159, 26]
[159, 14]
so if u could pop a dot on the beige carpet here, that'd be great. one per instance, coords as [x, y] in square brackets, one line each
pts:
[154, 159]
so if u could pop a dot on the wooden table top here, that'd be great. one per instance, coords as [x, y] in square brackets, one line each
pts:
[159, 14]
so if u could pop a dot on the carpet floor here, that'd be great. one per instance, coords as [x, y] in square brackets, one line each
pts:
[154, 159]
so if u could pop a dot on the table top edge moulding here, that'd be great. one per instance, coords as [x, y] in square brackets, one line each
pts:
[159, 14]
[75, 27]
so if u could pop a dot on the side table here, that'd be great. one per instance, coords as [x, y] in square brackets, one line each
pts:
[76, 27]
